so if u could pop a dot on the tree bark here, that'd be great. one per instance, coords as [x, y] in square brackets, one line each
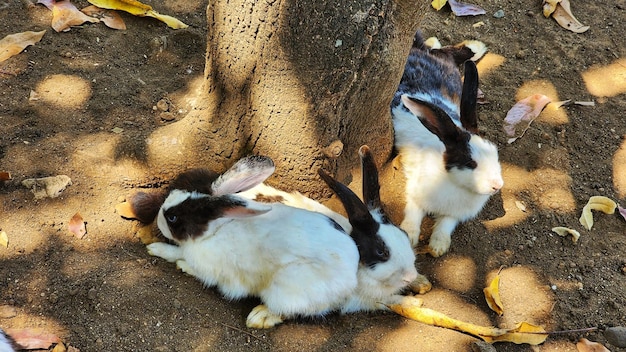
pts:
[305, 83]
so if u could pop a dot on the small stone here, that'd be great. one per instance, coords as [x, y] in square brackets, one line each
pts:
[616, 336]
[499, 14]
[530, 13]
[520, 54]
[167, 116]
[7, 311]
[163, 105]
[177, 304]
[92, 294]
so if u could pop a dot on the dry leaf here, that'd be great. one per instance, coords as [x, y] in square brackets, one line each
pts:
[77, 226]
[564, 231]
[47, 186]
[148, 234]
[13, 44]
[463, 9]
[60, 347]
[4, 239]
[622, 211]
[584, 345]
[65, 15]
[138, 9]
[438, 4]
[561, 12]
[7, 311]
[522, 114]
[603, 204]
[109, 17]
[5, 176]
[32, 339]
[411, 308]
[585, 103]
[492, 295]
[125, 209]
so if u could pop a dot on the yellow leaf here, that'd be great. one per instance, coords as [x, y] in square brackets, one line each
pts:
[492, 295]
[125, 209]
[138, 9]
[13, 44]
[438, 4]
[549, 6]
[603, 204]
[523, 333]
[4, 239]
[148, 234]
[564, 231]
[411, 308]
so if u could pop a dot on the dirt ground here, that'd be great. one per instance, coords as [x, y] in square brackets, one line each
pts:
[95, 92]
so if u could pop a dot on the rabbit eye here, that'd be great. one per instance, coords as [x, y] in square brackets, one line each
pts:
[382, 253]
[172, 218]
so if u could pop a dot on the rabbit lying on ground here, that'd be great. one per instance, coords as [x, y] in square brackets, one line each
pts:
[298, 262]
[450, 170]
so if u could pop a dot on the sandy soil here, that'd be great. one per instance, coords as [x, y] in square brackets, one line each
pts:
[95, 92]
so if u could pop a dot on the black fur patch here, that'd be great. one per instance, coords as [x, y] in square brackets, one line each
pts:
[146, 206]
[458, 153]
[336, 225]
[195, 180]
[190, 219]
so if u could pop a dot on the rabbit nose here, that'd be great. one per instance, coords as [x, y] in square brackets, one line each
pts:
[496, 185]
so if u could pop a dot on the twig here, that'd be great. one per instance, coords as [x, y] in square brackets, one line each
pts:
[244, 332]
[572, 331]
[8, 73]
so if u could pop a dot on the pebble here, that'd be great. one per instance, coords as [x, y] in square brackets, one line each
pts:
[616, 336]
[499, 14]
[163, 105]
[92, 294]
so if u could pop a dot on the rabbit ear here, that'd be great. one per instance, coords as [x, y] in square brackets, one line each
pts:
[372, 248]
[435, 120]
[469, 119]
[243, 175]
[371, 187]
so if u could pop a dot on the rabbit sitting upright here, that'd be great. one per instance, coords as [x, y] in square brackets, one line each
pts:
[450, 170]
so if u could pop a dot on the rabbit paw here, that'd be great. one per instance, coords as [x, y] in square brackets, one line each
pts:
[166, 251]
[261, 318]
[439, 244]
[412, 229]
[421, 285]
[184, 267]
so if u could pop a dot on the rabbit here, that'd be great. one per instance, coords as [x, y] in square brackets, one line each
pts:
[298, 262]
[7, 344]
[387, 260]
[450, 170]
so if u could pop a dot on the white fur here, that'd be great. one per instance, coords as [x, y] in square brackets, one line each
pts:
[451, 196]
[385, 281]
[294, 260]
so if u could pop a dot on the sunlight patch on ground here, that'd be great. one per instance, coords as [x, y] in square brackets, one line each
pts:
[524, 297]
[488, 63]
[619, 170]
[64, 91]
[456, 273]
[548, 189]
[550, 114]
[606, 81]
[415, 336]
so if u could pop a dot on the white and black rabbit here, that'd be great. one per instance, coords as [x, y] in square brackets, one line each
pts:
[450, 170]
[298, 262]
[387, 261]
[7, 344]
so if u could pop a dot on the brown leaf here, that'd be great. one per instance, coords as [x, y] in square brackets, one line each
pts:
[32, 339]
[65, 15]
[5, 176]
[13, 44]
[77, 226]
[125, 209]
[522, 114]
[109, 17]
[584, 345]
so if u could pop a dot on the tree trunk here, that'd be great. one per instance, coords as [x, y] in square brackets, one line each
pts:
[305, 83]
